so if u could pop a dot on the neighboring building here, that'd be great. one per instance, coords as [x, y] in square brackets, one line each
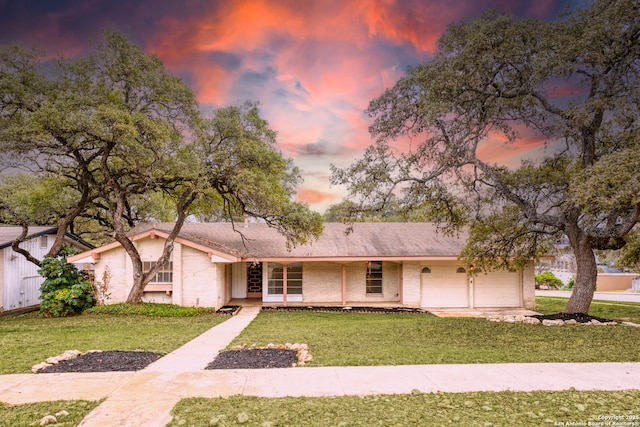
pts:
[20, 286]
[398, 264]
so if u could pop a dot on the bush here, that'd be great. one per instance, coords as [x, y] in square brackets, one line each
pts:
[150, 309]
[65, 290]
[549, 279]
[571, 283]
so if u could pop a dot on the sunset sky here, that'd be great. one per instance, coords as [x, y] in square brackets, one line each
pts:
[314, 65]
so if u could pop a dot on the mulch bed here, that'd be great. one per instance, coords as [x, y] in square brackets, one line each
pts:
[254, 358]
[105, 361]
[578, 317]
[341, 309]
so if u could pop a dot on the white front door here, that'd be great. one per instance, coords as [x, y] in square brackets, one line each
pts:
[239, 280]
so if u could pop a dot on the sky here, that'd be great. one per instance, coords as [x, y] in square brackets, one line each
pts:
[314, 65]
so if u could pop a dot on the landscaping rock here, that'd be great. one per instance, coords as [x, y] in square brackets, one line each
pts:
[571, 322]
[67, 355]
[531, 321]
[48, 419]
[548, 322]
[39, 367]
[635, 325]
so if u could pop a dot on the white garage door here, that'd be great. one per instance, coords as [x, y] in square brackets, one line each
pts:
[443, 287]
[497, 289]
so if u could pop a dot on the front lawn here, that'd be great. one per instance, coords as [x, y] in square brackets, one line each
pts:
[460, 409]
[28, 339]
[70, 413]
[351, 339]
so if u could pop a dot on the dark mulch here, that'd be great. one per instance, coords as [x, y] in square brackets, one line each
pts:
[578, 317]
[105, 361]
[341, 309]
[254, 358]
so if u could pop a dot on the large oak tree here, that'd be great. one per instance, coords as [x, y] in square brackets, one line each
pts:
[493, 81]
[125, 141]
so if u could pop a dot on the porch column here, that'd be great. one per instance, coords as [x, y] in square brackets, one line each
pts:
[226, 285]
[401, 283]
[284, 285]
[344, 284]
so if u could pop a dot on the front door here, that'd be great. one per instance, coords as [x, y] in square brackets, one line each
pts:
[254, 280]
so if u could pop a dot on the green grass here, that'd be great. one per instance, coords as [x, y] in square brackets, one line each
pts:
[28, 339]
[417, 409]
[32, 413]
[351, 339]
[606, 309]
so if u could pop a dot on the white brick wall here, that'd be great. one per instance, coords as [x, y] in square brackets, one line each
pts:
[119, 283]
[528, 287]
[322, 282]
[356, 283]
[411, 283]
[200, 279]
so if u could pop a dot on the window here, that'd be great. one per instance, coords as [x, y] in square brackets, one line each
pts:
[374, 277]
[43, 242]
[461, 270]
[164, 274]
[294, 278]
[426, 270]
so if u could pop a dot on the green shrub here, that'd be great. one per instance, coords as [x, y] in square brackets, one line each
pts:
[549, 279]
[150, 309]
[571, 283]
[65, 290]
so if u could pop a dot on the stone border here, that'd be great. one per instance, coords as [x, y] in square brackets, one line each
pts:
[304, 355]
[54, 360]
[558, 322]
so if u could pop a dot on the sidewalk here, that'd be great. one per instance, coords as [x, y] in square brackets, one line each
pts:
[146, 397]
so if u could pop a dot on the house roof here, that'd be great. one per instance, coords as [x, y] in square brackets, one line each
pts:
[8, 233]
[251, 241]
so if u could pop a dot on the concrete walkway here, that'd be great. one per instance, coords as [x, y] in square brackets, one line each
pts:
[146, 397]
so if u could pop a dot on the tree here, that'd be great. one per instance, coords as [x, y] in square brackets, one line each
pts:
[491, 80]
[246, 174]
[124, 136]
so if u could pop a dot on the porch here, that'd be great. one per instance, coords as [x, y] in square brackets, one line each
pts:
[257, 302]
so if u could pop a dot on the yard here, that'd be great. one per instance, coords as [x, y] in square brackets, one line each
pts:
[348, 339]
[28, 339]
[533, 409]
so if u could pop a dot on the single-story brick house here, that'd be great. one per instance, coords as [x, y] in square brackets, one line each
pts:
[398, 264]
[20, 281]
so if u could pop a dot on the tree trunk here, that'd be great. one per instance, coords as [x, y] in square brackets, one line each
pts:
[135, 295]
[586, 274]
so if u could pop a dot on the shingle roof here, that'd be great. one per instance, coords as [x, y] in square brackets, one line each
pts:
[8, 233]
[367, 240]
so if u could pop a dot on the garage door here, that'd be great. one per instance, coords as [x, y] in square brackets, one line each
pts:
[497, 289]
[442, 287]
